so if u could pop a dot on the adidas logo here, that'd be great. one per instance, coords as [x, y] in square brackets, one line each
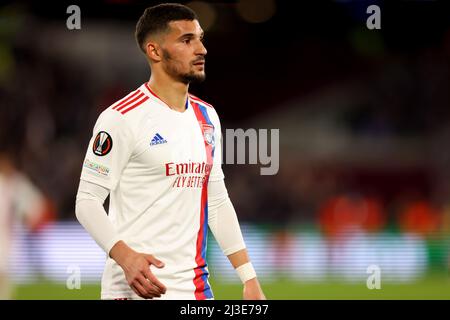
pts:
[157, 139]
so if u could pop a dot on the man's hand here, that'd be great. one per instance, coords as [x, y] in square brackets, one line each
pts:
[253, 291]
[136, 267]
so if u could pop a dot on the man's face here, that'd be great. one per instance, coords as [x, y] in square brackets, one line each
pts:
[183, 51]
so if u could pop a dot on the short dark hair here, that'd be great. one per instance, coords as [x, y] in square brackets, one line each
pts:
[156, 19]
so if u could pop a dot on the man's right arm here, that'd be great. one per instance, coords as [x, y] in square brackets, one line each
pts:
[92, 216]
[109, 150]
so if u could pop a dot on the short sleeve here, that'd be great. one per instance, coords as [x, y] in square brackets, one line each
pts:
[216, 171]
[109, 150]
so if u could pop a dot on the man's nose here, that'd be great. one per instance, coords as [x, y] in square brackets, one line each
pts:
[201, 50]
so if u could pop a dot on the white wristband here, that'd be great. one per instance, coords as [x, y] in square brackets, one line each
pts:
[246, 272]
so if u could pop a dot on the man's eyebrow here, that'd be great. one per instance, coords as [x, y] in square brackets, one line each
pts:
[190, 35]
[186, 35]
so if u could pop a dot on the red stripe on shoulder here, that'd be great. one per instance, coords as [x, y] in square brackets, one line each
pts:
[137, 104]
[125, 99]
[196, 99]
[123, 105]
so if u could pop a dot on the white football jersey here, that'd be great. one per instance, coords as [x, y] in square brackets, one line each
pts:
[157, 163]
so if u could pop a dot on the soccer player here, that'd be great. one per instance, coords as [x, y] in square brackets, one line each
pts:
[157, 153]
[20, 201]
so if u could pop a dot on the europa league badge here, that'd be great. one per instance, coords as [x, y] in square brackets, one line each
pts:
[102, 144]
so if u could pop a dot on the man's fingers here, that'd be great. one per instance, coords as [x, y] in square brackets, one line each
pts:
[151, 277]
[140, 291]
[154, 261]
[144, 283]
[149, 288]
[135, 290]
[143, 292]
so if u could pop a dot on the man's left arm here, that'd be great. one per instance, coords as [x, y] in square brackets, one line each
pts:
[224, 225]
[241, 263]
[223, 221]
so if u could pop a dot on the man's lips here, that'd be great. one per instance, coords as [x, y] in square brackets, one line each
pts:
[199, 63]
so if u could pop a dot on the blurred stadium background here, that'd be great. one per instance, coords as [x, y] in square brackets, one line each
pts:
[364, 123]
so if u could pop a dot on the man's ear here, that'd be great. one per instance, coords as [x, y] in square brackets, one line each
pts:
[153, 51]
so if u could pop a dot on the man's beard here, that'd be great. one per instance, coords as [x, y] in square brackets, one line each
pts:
[173, 70]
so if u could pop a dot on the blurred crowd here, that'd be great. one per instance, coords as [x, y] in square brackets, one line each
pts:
[49, 106]
[406, 99]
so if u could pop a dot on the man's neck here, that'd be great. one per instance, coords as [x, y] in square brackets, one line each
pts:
[174, 94]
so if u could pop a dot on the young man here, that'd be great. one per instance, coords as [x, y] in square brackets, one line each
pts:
[157, 153]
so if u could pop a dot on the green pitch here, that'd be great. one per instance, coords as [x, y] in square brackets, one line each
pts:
[429, 288]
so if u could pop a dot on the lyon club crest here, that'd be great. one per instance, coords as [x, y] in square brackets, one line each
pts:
[208, 133]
